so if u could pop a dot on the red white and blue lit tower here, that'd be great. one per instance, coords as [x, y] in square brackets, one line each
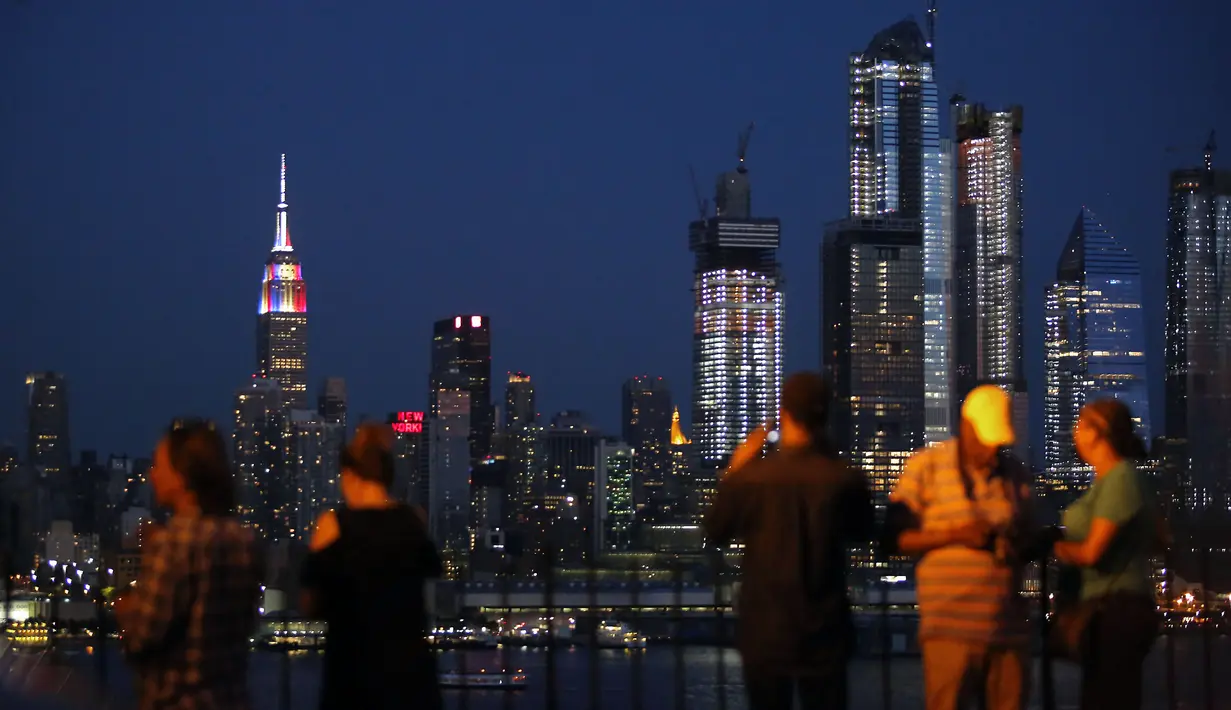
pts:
[282, 317]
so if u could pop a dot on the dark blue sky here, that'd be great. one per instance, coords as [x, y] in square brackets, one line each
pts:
[524, 160]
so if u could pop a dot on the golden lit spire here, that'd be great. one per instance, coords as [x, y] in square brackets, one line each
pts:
[677, 436]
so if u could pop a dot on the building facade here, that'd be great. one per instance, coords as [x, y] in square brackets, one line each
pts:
[614, 509]
[1094, 344]
[873, 344]
[988, 286]
[738, 315]
[462, 359]
[1198, 341]
[282, 316]
[48, 447]
[645, 422]
[899, 170]
[259, 439]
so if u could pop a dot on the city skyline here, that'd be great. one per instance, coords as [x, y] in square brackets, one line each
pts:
[585, 375]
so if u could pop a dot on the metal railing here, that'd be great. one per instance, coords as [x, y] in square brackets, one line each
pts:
[689, 640]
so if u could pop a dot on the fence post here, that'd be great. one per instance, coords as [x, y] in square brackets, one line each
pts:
[638, 679]
[677, 623]
[504, 637]
[718, 568]
[1169, 601]
[1046, 679]
[1207, 629]
[549, 604]
[592, 602]
[100, 625]
[284, 691]
[886, 646]
[460, 645]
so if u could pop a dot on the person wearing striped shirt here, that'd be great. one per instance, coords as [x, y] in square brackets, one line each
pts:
[964, 509]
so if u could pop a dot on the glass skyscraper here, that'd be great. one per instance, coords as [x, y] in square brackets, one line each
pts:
[282, 315]
[898, 169]
[1198, 352]
[737, 321]
[873, 344]
[987, 240]
[1095, 343]
[462, 359]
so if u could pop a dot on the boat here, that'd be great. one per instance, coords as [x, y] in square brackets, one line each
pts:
[483, 680]
[617, 634]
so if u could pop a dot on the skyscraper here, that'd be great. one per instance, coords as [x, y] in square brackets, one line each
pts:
[331, 402]
[265, 500]
[282, 316]
[571, 445]
[873, 343]
[988, 260]
[737, 319]
[314, 467]
[462, 359]
[898, 170]
[411, 481]
[646, 408]
[1198, 353]
[449, 469]
[614, 511]
[1095, 343]
[48, 448]
[519, 401]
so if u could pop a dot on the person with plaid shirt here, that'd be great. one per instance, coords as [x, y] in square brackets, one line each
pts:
[187, 621]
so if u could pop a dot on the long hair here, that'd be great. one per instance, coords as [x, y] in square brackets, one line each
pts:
[1114, 421]
[370, 454]
[198, 452]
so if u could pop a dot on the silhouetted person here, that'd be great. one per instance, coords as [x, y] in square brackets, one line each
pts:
[796, 511]
[1112, 531]
[186, 624]
[365, 575]
[964, 507]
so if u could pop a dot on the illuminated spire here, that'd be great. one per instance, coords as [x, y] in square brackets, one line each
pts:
[282, 240]
[677, 436]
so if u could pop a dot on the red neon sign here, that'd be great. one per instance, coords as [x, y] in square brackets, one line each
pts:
[408, 423]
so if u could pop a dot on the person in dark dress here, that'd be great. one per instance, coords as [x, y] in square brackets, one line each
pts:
[365, 575]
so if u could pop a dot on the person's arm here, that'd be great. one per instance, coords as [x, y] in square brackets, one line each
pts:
[1118, 500]
[749, 450]
[903, 519]
[148, 611]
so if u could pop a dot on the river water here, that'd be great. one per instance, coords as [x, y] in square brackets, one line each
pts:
[698, 678]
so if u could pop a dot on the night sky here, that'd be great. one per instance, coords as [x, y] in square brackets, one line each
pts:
[527, 160]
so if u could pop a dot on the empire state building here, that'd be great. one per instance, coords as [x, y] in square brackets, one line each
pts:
[282, 317]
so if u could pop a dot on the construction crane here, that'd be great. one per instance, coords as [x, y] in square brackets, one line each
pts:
[744, 137]
[703, 205]
[1210, 148]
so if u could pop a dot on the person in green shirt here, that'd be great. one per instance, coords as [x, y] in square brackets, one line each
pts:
[1110, 533]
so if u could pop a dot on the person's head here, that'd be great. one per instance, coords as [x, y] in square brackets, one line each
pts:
[1105, 432]
[804, 413]
[367, 462]
[191, 470]
[987, 423]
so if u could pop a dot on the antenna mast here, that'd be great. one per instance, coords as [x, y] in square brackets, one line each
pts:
[1211, 147]
[931, 23]
[744, 137]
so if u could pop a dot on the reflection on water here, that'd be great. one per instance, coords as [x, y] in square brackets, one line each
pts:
[706, 672]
